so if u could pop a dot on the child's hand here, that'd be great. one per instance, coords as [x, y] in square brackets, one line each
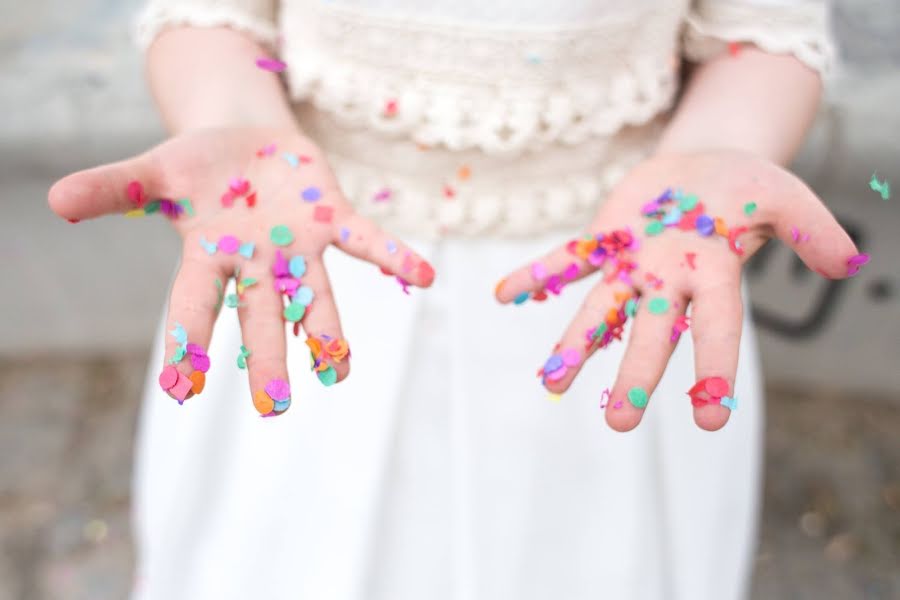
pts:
[677, 256]
[259, 199]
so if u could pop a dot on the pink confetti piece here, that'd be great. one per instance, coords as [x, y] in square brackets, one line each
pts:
[181, 388]
[855, 262]
[278, 389]
[571, 357]
[200, 362]
[168, 378]
[383, 195]
[270, 64]
[538, 271]
[618, 404]
[571, 271]
[690, 257]
[135, 193]
[229, 244]
[604, 398]
[323, 214]
[267, 150]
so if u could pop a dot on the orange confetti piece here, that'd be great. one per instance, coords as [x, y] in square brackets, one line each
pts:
[198, 379]
[464, 172]
[262, 402]
[337, 349]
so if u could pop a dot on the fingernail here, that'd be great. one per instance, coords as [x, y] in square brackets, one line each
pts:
[710, 390]
[556, 367]
[321, 350]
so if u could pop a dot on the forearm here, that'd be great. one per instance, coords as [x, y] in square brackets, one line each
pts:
[204, 78]
[757, 102]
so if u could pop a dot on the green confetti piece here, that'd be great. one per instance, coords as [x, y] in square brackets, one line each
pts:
[601, 330]
[294, 311]
[658, 306]
[232, 301]
[179, 354]
[654, 228]
[281, 235]
[638, 397]
[688, 203]
[749, 208]
[247, 282]
[631, 307]
[882, 188]
[151, 207]
[219, 294]
[328, 376]
[242, 357]
[188, 207]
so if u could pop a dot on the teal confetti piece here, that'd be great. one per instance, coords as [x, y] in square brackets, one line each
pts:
[297, 266]
[749, 208]
[304, 295]
[728, 402]
[521, 298]
[232, 301]
[242, 357]
[292, 159]
[328, 377]
[179, 333]
[631, 307]
[151, 207]
[220, 292]
[188, 207]
[210, 247]
[246, 250]
[883, 188]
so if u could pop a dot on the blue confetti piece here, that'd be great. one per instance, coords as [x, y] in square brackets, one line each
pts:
[391, 247]
[673, 217]
[345, 234]
[730, 403]
[281, 405]
[179, 334]
[304, 295]
[246, 250]
[292, 159]
[297, 266]
[521, 298]
[311, 194]
[210, 247]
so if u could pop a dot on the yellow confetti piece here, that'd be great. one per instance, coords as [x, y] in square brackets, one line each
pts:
[555, 398]
[137, 212]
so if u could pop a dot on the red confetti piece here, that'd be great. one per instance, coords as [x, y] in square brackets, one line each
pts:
[323, 214]
[691, 256]
[135, 192]
[251, 200]
[391, 107]
[734, 48]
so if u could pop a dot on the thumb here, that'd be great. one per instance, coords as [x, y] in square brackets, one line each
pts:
[113, 188]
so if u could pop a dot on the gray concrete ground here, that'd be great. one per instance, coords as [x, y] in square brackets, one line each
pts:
[81, 301]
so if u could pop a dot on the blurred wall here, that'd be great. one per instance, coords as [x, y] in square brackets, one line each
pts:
[73, 96]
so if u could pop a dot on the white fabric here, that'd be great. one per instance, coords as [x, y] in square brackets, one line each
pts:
[439, 470]
[546, 103]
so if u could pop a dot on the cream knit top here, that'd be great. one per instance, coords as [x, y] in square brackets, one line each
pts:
[492, 117]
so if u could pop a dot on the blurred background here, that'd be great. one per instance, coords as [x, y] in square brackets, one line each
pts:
[76, 322]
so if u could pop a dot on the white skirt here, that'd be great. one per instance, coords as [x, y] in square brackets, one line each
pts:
[439, 470]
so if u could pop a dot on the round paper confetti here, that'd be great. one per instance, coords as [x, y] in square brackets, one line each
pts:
[262, 402]
[297, 266]
[705, 225]
[688, 203]
[658, 306]
[328, 376]
[717, 387]
[229, 244]
[278, 389]
[638, 397]
[749, 208]
[304, 295]
[198, 381]
[311, 194]
[571, 357]
[654, 228]
[168, 378]
[294, 311]
[281, 235]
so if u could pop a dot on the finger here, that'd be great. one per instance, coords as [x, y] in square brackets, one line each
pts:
[105, 190]
[649, 348]
[360, 237]
[330, 351]
[193, 305]
[804, 223]
[574, 260]
[716, 323]
[598, 323]
[260, 310]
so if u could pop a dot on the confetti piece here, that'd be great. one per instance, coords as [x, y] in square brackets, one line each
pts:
[709, 390]
[181, 388]
[705, 225]
[210, 247]
[311, 194]
[187, 206]
[270, 64]
[243, 355]
[734, 48]
[538, 271]
[229, 244]
[571, 357]
[883, 188]
[391, 247]
[604, 398]
[297, 266]
[681, 325]
[232, 301]
[383, 195]
[654, 228]
[391, 107]
[658, 306]
[198, 381]
[688, 203]
[179, 333]
[631, 307]
[327, 377]
[200, 362]
[521, 298]
[730, 403]
[749, 208]
[251, 200]
[854, 263]
[267, 150]
[281, 235]
[304, 295]
[553, 397]
[464, 172]
[638, 397]
[345, 234]
[294, 312]
[618, 404]
[246, 250]
[135, 192]
[278, 389]
[323, 214]
[168, 377]
[690, 257]
[263, 404]
[178, 355]
[291, 159]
